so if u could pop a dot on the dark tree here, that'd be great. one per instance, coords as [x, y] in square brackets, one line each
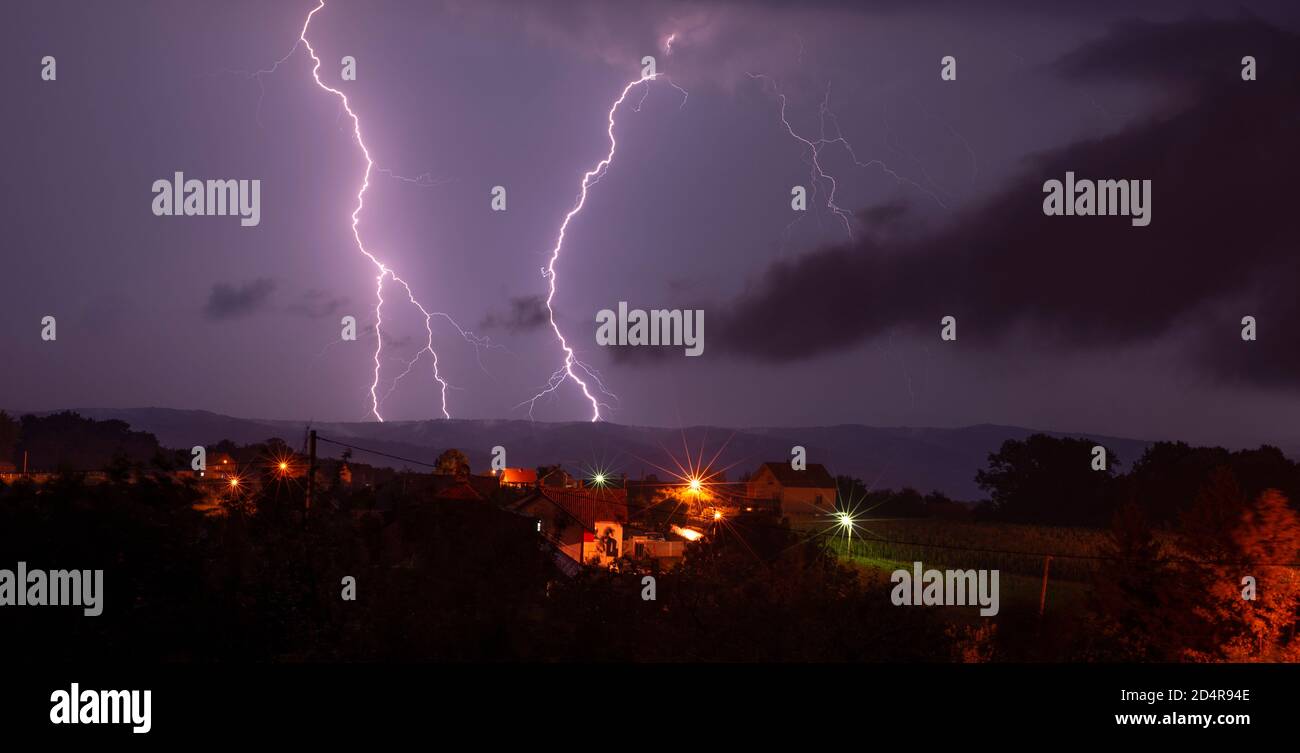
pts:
[1050, 481]
[8, 437]
[1237, 545]
[453, 462]
[1134, 606]
[1169, 475]
[66, 441]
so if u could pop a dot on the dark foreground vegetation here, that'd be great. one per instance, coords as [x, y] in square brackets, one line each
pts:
[467, 581]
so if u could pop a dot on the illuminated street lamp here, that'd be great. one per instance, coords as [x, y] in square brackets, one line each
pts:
[846, 521]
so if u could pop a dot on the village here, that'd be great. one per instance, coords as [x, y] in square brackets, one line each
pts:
[583, 516]
[597, 520]
[602, 520]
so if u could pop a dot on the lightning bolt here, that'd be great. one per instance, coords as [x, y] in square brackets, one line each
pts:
[813, 149]
[569, 370]
[383, 270]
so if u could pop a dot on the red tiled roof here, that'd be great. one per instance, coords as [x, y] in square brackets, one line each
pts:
[460, 490]
[585, 505]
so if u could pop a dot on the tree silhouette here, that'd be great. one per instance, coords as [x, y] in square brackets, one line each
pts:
[1133, 607]
[453, 462]
[8, 437]
[1049, 481]
[1230, 538]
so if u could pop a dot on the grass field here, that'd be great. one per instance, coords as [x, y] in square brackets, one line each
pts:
[943, 544]
[1011, 548]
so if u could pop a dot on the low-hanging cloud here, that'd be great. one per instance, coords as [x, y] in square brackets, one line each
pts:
[317, 304]
[228, 301]
[525, 313]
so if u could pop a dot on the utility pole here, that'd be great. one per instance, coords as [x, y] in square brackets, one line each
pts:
[311, 467]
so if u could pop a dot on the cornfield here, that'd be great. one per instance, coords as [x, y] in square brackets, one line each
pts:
[960, 545]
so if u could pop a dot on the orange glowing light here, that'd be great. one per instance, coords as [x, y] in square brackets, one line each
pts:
[717, 515]
[690, 534]
[698, 479]
[234, 482]
[284, 466]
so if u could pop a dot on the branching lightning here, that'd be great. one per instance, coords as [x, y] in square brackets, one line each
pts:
[383, 270]
[813, 148]
[571, 366]
[588, 379]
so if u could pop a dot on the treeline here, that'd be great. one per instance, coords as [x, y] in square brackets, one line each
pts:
[857, 497]
[1050, 481]
[1044, 480]
[68, 442]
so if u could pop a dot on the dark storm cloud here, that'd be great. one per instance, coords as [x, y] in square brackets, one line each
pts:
[1222, 157]
[526, 313]
[227, 301]
[886, 214]
[1192, 52]
[317, 304]
[719, 40]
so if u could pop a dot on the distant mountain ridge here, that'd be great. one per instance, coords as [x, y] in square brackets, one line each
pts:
[942, 459]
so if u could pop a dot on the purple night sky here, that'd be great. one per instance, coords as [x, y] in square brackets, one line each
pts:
[1066, 324]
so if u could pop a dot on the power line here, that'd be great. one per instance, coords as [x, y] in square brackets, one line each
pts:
[320, 438]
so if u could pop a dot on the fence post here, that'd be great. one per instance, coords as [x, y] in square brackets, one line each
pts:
[1042, 599]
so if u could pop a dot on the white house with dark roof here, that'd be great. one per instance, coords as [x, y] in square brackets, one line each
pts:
[801, 494]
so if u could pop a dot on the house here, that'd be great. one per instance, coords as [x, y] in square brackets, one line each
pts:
[520, 478]
[604, 545]
[220, 465]
[653, 546]
[585, 524]
[596, 526]
[558, 477]
[801, 494]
